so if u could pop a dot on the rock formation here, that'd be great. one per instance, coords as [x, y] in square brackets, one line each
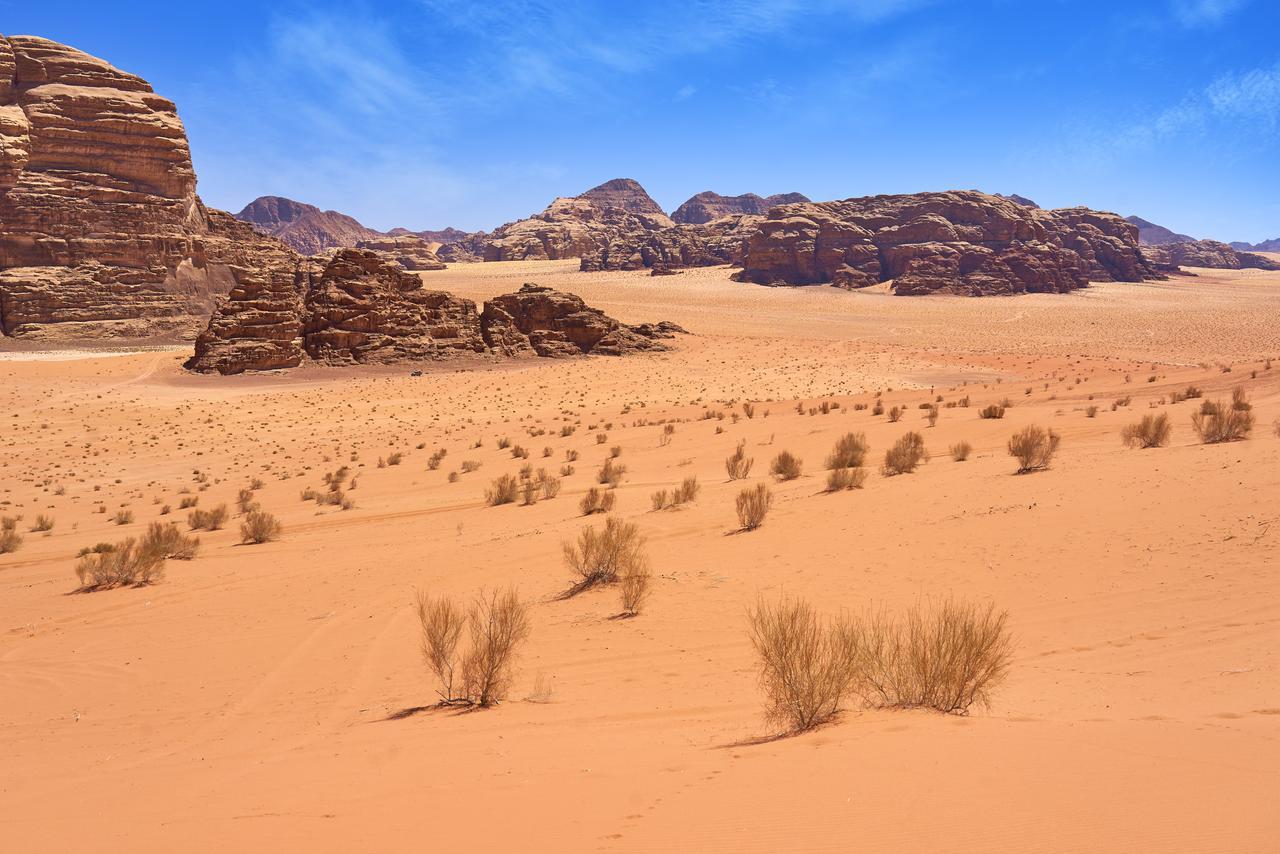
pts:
[708, 206]
[1150, 234]
[721, 241]
[624, 194]
[364, 309]
[101, 231]
[1020, 200]
[1205, 253]
[305, 228]
[959, 242]
[1272, 245]
[409, 251]
[576, 227]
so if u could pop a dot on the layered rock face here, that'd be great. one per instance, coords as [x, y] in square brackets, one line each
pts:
[101, 231]
[961, 242]
[364, 309]
[304, 228]
[546, 322]
[721, 241]
[1205, 253]
[708, 206]
[409, 251]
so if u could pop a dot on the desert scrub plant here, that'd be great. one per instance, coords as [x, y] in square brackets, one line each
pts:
[502, 491]
[753, 505]
[946, 657]
[124, 564]
[634, 587]
[596, 501]
[259, 527]
[841, 479]
[188, 502]
[806, 665]
[208, 520]
[850, 452]
[602, 555]
[10, 539]
[960, 451]
[786, 466]
[995, 410]
[42, 524]
[497, 623]
[1219, 422]
[549, 484]
[738, 465]
[529, 493]
[124, 516]
[468, 466]
[1033, 447]
[905, 455]
[895, 414]
[687, 491]
[244, 501]
[1239, 400]
[611, 473]
[1151, 432]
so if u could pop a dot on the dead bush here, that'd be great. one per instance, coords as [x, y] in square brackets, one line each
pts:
[1218, 422]
[1151, 432]
[634, 588]
[259, 527]
[502, 491]
[208, 520]
[739, 464]
[124, 564]
[10, 539]
[498, 624]
[442, 621]
[602, 555]
[840, 479]
[995, 410]
[1033, 447]
[611, 473]
[596, 501]
[960, 451]
[806, 666]
[753, 505]
[850, 452]
[946, 657]
[42, 524]
[786, 466]
[905, 455]
[169, 542]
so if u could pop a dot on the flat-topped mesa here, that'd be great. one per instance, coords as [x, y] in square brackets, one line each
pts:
[101, 231]
[364, 309]
[707, 206]
[959, 242]
[1205, 253]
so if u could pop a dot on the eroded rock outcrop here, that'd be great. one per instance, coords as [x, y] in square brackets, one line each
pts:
[101, 231]
[721, 241]
[363, 309]
[960, 242]
[409, 251]
[708, 206]
[304, 228]
[1205, 253]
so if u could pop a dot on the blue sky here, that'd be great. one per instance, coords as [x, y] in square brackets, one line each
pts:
[427, 113]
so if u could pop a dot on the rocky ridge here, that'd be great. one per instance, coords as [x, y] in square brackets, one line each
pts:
[1205, 253]
[363, 309]
[707, 206]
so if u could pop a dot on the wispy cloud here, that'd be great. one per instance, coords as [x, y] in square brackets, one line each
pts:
[1199, 13]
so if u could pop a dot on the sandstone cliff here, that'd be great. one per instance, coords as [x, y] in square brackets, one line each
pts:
[101, 231]
[959, 242]
[708, 206]
[1205, 253]
[364, 309]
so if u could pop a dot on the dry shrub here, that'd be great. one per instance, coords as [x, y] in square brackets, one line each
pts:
[169, 542]
[1033, 447]
[10, 539]
[611, 473]
[124, 564]
[208, 520]
[502, 491]
[498, 624]
[960, 451]
[947, 657]
[895, 414]
[634, 587]
[785, 466]
[43, 523]
[806, 666]
[839, 479]
[596, 501]
[602, 555]
[995, 410]
[245, 502]
[739, 464]
[687, 491]
[1239, 400]
[753, 505]
[850, 452]
[661, 499]
[1151, 432]
[529, 493]
[260, 527]
[550, 484]
[905, 455]
[1219, 422]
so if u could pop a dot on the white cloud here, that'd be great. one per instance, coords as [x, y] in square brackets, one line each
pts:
[1199, 13]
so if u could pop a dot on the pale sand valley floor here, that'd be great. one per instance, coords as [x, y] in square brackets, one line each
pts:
[263, 695]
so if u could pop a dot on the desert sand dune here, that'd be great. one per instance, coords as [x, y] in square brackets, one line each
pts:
[274, 694]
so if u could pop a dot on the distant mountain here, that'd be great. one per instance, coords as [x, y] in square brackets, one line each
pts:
[304, 227]
[625, 194]
[708, 206]
[442, 236]
[1272, 245]
[1019, 200]
[1151, 234]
